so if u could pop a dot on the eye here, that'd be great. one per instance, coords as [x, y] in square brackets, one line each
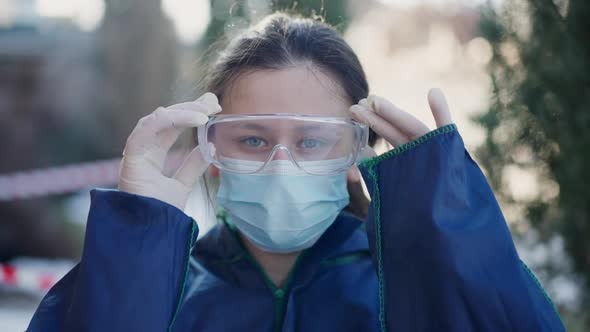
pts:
[254, 142]
[311, 143]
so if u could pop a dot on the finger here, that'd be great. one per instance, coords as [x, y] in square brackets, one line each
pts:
[163, 119]
[197, 106]
[404, 121]
[365, 103]
[193, 106]
[379, 125]
[207, 103]
[193, 167]
[211, 99]
[160, 129]
[439, 107]
[168, 136]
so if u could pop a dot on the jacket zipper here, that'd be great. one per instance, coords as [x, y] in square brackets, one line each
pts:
[279, 294]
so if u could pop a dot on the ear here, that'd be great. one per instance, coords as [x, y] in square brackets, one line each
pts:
[214, 171]
[353, 175]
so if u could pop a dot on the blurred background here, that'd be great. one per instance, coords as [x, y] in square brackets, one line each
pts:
[76, 75]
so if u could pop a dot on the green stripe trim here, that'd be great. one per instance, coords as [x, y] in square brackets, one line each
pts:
[347, 259]
[279, 293]
[191, 241]
[532, 275]
[376, 200]
[409, 145]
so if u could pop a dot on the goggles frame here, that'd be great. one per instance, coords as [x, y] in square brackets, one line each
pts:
[361, 143]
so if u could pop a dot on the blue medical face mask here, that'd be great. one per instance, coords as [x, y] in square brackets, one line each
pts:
[282, 212]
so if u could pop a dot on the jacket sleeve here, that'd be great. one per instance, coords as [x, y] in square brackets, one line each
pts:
[443, 252]
[132, 272]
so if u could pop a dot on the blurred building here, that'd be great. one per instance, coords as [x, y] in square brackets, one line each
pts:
[68, 95]
[29, 112]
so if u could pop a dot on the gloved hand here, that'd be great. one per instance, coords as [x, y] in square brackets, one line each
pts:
[395, 125]
[147, 146]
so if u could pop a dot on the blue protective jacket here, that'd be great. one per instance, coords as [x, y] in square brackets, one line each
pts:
[435, 255]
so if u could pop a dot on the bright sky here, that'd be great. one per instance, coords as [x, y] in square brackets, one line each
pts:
[409, 3]
[190, 17]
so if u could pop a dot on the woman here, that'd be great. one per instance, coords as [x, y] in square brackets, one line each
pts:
[434, 253]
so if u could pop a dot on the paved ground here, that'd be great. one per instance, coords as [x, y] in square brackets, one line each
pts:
[16, 311]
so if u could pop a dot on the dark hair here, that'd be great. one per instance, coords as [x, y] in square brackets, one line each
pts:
[281, 40]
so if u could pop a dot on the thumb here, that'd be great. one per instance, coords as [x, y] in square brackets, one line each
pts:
[439, 107]
[211, 100]
[193, 166]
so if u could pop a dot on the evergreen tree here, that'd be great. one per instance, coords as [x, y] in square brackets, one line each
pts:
[241, 13]
[539, 118]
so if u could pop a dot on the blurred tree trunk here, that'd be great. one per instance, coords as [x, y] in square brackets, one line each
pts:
[137, 57]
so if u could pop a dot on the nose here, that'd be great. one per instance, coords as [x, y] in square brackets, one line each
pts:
[281, 154]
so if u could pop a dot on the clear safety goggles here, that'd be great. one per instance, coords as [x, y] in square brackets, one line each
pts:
[282, 143]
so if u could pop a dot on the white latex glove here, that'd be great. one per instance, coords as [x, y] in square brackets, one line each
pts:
[147, 146]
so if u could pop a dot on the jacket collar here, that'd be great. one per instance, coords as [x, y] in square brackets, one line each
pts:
[222, 253]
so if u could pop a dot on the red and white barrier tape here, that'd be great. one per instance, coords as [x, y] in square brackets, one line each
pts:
[58, 180]
[32, 275]
[64, 179]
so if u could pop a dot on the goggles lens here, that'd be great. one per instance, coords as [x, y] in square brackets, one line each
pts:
[315, 145]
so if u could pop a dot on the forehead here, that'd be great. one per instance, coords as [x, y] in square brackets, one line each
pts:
[299, 89]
